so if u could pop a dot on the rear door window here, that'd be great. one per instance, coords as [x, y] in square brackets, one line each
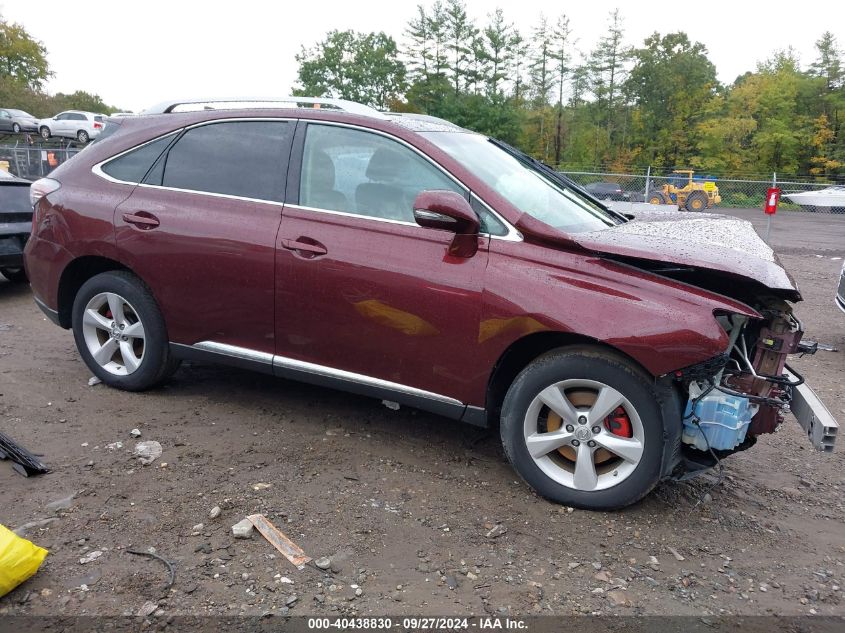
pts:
[238, 158]
[134, 165]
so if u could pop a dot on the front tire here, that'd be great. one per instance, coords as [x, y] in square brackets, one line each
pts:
[120, 332]
[656, 197]
[696, 202]
[582, 426]
[16, 275]
[44, 132]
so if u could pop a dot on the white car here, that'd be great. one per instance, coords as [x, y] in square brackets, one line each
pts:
[83, 126]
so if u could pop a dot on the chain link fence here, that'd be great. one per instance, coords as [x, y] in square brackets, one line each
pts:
[36, 162]
[734, 192]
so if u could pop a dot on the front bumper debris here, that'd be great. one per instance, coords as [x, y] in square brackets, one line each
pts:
[813, 416]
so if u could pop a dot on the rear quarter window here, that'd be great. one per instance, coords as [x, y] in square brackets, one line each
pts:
[134, 165]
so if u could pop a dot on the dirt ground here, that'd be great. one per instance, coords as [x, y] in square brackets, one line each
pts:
[419, 515]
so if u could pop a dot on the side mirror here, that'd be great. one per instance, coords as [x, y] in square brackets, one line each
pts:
[449, 211]
[445, 210]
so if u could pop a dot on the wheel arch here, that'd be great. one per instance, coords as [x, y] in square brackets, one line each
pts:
[524, 350]
[76, 273]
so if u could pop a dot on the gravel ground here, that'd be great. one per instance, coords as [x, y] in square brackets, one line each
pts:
[418, 515]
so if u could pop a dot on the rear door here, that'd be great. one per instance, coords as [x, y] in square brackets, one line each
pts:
[61, 126]
[5, 121]
[363, 292]
[201, 231]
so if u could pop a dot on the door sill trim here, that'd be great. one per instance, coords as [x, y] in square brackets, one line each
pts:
[321, 375]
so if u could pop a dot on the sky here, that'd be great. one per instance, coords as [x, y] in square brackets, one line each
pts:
[136, 54]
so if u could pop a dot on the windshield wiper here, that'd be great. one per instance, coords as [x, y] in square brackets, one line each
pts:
[559, 178]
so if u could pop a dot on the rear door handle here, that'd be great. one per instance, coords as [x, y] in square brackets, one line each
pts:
[142, 220]
[312, 248]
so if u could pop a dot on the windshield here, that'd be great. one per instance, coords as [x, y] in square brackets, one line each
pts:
[522, 184]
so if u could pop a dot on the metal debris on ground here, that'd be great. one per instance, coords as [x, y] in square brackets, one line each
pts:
[93, 380]
[277, 538]
[170, 568]
[25, 463]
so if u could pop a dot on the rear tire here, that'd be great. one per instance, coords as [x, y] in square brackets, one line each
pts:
[16, 128]
[546, 443]
[82, 136]
[44, 132]
[120, 332]
[15, 275]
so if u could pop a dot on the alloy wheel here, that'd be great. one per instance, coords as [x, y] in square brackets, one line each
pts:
[113, 333]
[584, 434]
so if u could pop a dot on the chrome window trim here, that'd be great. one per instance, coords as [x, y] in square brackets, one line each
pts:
[284, 362]
[227, 196]
[513, 235]
[97, 169]
[350, 214]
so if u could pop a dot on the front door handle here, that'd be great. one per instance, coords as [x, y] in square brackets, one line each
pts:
[141, 219]
[310, 247]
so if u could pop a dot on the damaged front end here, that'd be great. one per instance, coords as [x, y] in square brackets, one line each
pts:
[745, 392]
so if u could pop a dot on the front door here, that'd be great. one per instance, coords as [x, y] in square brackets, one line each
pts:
[201, 232]
[363, 292]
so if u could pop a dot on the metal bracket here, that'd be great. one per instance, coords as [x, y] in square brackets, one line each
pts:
[813, 416]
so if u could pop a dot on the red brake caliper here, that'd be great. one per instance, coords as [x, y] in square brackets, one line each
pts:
[619, 423]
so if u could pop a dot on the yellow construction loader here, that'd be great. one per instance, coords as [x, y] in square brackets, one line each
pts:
[692, 194]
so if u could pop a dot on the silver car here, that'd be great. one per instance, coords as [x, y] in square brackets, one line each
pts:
[78, 124]
[17, 121]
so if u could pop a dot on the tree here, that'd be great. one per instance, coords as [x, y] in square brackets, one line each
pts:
[22, 58]
[418, 54]
[460, 33]
[81, 100]
[823, 163]
[607, 69]
[356, 66]
[519, 55]
[671, 82]
[828, 64]
[560, 52]
[497, 40]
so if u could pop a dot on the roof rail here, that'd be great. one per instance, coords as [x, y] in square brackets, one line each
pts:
[237, 103]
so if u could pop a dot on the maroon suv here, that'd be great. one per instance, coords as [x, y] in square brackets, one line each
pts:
[401, 257]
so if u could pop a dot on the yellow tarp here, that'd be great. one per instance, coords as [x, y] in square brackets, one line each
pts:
[19, 559]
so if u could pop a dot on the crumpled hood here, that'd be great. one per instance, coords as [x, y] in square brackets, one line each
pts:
[701, 240]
